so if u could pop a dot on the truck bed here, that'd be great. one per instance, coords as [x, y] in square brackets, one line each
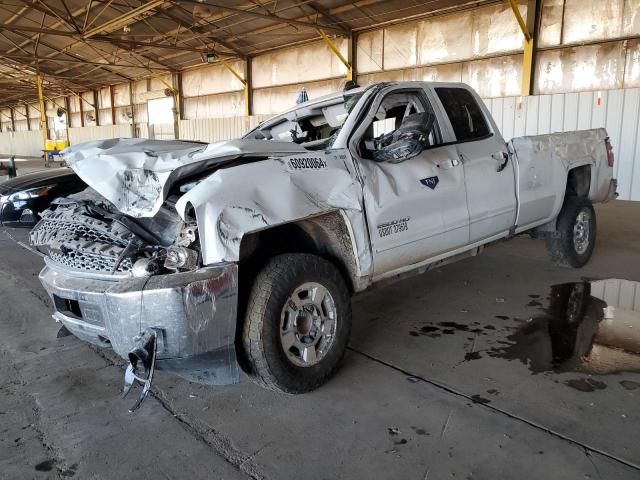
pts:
[542, 165]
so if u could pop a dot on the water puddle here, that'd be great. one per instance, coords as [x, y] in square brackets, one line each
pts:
[592, 328]
[587, 327]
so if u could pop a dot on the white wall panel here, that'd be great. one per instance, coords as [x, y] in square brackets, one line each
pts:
[544, 117]
[216, 129]
[211, 79]
[24, 143]
[628, 140]
[103, 132]
[214, 106]
[616, 110]
[369, 51]
[275, 100]
[305, 63]
[162, 131]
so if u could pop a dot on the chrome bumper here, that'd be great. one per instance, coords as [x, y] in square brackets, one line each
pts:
[194, 314]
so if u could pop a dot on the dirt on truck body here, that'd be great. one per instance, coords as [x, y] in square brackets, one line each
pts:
[204, 258]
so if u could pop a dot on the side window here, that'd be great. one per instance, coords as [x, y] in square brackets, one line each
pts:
[465, 114]
[404, 125]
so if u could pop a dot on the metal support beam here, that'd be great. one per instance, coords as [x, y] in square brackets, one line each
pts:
[26, 110]
[176, 86]
[96, 107]
[134, 132]
[67, 107]
[245, 79]
[271, 17]
[80, 102]
[338, 53]
[13, 119]
[125, 19]
[228, 66]
[112, 103]
[43, 113]
[248, 88]
[527, 69]
[530, 32]
[352, 56]
[523, 25]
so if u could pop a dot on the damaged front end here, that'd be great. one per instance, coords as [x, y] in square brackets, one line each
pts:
[114, 279]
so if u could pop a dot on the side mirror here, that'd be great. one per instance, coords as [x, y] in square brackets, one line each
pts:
[399, 151]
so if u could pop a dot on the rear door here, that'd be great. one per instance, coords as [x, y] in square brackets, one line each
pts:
[488, 170]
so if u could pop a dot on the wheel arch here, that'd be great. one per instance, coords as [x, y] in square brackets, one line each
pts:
[328, 235]
[578, 181]
[577, 184]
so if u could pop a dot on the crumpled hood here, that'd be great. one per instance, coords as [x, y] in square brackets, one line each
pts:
[135, 174]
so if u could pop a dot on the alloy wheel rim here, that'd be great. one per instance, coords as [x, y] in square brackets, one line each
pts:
[308, 324]
[582, 232]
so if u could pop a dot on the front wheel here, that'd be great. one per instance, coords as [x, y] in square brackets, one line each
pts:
[574, 239]
[297, 324]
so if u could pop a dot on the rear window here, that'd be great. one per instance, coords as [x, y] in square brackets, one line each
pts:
[465, 114]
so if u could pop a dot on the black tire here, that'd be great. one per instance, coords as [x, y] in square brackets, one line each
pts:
[561, 245]
[261, 337]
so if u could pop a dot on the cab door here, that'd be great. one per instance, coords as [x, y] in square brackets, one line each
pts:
[488, 168]
[417, 208]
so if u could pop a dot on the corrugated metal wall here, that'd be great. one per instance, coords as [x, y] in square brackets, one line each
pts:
[616, 110]
[621, 294]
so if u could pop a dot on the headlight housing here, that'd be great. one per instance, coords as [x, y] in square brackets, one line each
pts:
[29, 193]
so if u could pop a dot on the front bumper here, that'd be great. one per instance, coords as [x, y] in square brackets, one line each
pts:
[194, 314]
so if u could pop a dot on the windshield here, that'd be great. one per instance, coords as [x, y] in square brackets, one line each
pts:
[314, 126]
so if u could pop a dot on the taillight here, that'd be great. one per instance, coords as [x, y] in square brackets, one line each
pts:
[610, 157]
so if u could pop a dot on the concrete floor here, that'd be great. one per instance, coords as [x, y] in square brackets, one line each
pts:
[405, 405]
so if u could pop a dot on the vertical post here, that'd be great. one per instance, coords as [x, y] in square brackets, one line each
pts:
[26, 110]
[112, 103]
[351, 57]
[67, 107]
[43, 113]
[12, 167]
[96, 107]
[533, 24]
[81, 98]
[13, 119]
[248, 88]
[176, 83]
[530, 32]
[133, 111]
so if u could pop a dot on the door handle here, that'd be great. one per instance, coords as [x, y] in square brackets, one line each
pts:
[503, 158]
[451, 163]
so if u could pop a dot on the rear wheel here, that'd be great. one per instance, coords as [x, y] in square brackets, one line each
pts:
[574, 239]
[297, 323]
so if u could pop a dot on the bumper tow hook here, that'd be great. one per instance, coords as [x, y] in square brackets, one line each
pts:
[144, 353]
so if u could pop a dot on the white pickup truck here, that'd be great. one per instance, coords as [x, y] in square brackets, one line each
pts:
[206, 258]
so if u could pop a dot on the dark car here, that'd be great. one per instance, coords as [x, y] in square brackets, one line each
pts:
[23, 197]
